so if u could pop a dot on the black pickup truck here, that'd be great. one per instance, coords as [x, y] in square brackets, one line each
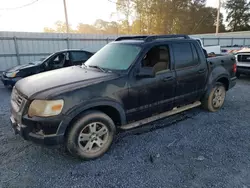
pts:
[128, 83]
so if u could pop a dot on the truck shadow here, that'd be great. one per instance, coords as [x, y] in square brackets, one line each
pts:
[60, 151]
[244, 78]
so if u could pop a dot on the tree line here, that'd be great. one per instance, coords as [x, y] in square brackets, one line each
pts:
[167, 17]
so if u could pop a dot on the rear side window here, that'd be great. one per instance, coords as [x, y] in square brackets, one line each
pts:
[199, 42]
[183, 54]
[79, 56]
[196, 57]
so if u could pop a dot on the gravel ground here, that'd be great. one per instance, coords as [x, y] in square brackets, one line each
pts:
[194, 149]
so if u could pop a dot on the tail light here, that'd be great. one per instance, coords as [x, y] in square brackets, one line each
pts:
[234, 68]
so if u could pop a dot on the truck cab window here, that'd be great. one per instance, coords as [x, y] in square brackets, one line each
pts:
[183, 55]
[195, 54]
[157, 58]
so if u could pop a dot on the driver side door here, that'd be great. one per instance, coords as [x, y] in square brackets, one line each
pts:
[152, 95]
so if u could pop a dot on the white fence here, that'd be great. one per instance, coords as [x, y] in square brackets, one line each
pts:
[21, 47]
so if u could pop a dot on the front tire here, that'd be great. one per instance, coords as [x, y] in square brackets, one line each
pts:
[216, 98]
[91, 136]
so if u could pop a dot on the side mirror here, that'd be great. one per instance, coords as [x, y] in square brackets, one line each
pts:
[145, 72]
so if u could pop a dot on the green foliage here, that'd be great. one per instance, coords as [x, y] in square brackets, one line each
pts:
[238, 15]
[166, 17]
[169, 16]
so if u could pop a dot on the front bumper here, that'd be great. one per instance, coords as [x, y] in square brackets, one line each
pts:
[31, 133]
[9, 81]
[243, 70]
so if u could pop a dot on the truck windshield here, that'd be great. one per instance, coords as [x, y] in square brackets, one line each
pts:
[114, 56]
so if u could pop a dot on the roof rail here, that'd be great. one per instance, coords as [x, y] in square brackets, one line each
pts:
[154, 37]
[149, 38]
[131, 37]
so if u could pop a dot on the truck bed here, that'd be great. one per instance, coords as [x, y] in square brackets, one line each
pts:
[226, 61]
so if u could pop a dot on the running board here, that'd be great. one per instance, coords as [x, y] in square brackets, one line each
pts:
[160, 116]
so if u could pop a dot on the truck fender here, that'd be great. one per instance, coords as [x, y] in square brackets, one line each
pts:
[216, 74]
[71, 114]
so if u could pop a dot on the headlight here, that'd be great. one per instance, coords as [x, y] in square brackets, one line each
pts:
[45, 108]
[11, 74]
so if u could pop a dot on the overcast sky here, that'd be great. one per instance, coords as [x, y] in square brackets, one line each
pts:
[44, 13]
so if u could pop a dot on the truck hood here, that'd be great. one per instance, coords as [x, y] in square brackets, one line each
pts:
[64, 78]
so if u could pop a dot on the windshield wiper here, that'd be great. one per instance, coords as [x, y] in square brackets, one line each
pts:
[97, 67]
[83, 65]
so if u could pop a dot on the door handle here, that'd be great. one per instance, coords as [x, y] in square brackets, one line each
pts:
[168, 78]
[202, 70]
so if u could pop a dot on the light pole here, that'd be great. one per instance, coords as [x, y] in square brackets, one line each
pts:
[218, 18]
[66, 15]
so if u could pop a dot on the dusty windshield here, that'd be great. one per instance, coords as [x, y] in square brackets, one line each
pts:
[114, 56]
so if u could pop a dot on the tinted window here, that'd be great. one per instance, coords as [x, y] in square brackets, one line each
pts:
[183, 55]
[199, 42]
[196, 57]
[79, 56]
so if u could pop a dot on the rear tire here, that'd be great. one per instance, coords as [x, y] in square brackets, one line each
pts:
[91, 136]
[216, 98]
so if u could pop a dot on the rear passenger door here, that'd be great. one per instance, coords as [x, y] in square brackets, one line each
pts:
[191, 73]
[79, 57]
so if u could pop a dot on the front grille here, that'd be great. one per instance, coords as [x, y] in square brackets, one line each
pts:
[243, 58]
[245, 68]
[17, 99]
